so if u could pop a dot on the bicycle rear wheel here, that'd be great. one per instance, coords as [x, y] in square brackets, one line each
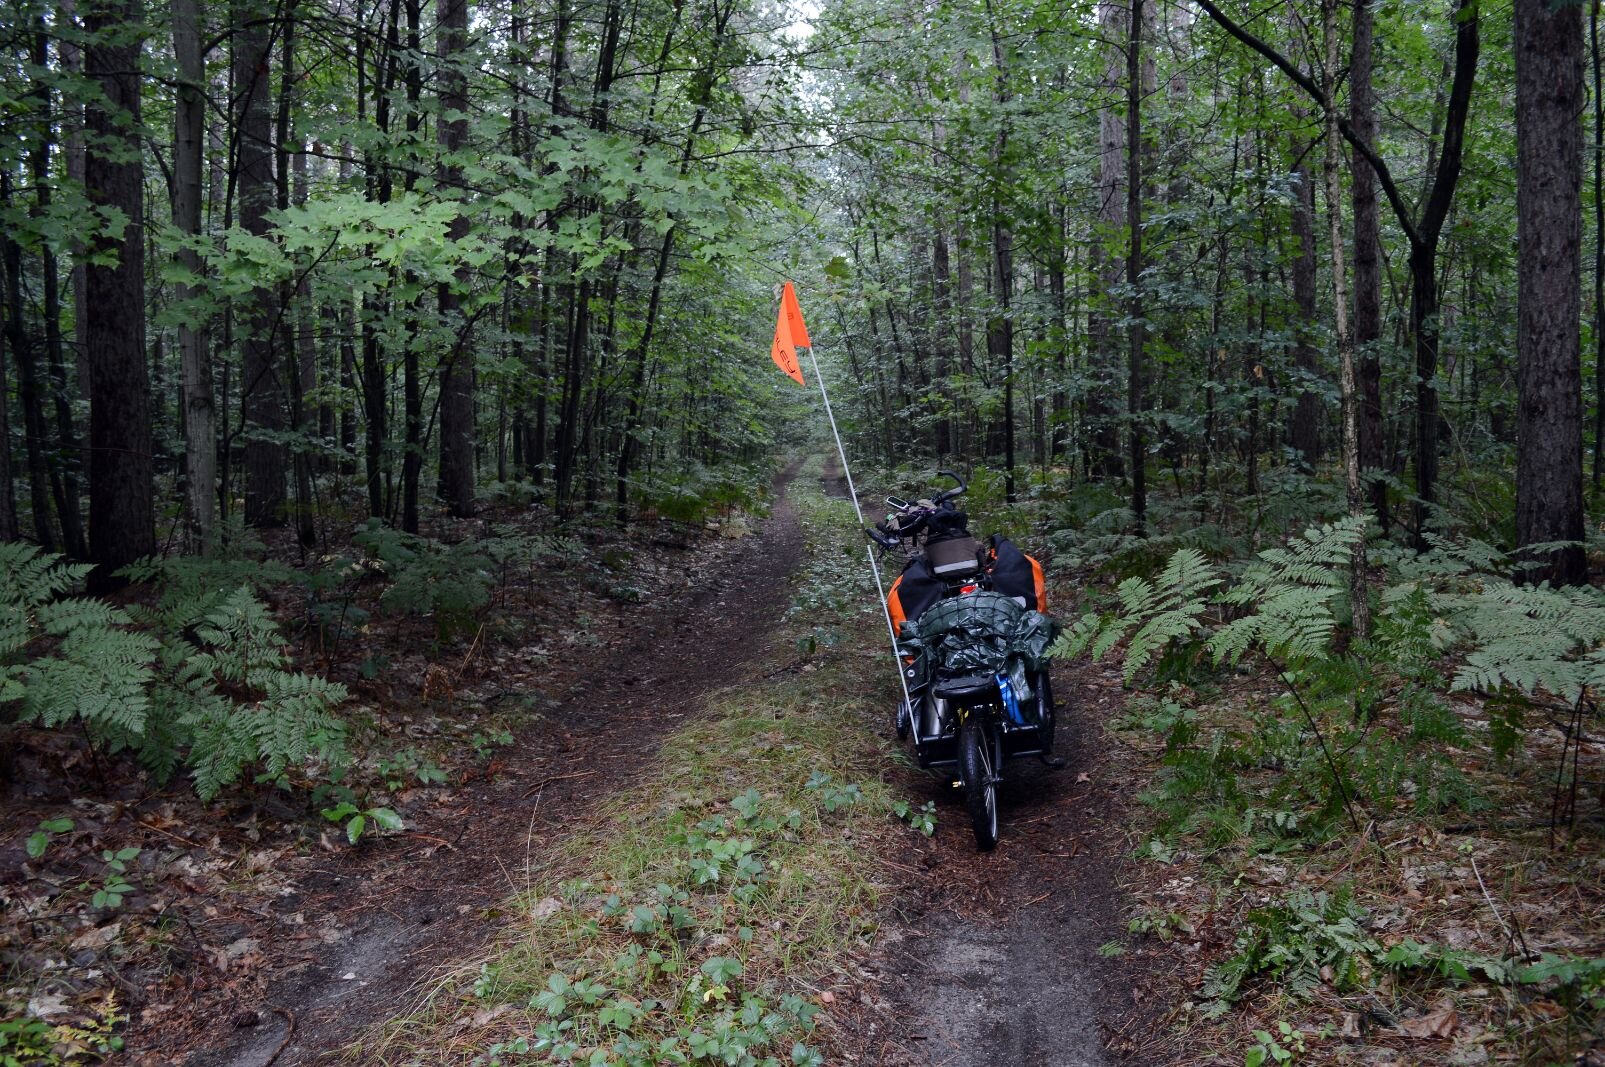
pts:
[980, 782]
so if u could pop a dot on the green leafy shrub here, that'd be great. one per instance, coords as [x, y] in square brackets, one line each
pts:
[697, 492]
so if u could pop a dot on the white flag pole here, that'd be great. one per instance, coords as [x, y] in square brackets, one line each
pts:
[880, 589]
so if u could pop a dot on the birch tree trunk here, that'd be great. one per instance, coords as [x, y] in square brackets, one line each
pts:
[1358, 596]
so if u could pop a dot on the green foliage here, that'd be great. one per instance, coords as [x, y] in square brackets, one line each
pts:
[356, 820]
[1161, 611]
[409, 763]
[696, 492]
[39, 840]
[1518, 643]
[832, 794]
[97, 668]
[114, 878]
[1268, 1048]
[1290, 592]
[29, 1042]
[486, 742]
[1289, 942]
[658, 996]
[450, 582]
[922, 818]
[1576, 982]
[202, 678]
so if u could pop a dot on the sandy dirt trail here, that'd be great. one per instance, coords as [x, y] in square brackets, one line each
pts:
[446, 906]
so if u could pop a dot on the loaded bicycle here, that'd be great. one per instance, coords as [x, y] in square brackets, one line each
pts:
[970, 620]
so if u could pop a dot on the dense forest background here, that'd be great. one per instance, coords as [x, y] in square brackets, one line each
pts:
[270, 263]
[376, 370]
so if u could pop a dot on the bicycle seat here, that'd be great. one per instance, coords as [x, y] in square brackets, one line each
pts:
[970, 685]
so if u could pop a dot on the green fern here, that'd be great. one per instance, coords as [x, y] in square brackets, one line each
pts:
[1293, 591]
[1160, 612]
[97, 672]
[450, 582]
[287, 718]
[1288, 598]
[200, 679]
[1515, 639]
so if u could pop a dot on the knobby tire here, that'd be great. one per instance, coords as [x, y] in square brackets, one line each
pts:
[980, 783]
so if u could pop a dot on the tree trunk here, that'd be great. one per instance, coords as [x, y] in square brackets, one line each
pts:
[1549, 433]
[293, 321]
[1424, 236]
[304, 371]
[378, 188]
[457, 375]
[1359, 597]
[1138, 326]
[1103, 422]
[1367, 264]
[1000, 331]
[412, 456]
[1306, 430]
[64, 468]
[1599, 249]
[942, 345]
[262, 393]
[30, 392]
[8, 487]
[122, 519]
[189, 130]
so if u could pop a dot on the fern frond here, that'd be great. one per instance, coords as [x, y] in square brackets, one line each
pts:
[1187, 575]
[67, 616]
[30, 577]
[1158, 632]
[1078, 637]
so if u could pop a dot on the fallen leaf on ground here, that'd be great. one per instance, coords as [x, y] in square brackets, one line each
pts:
[48, 1006]
[1440, 1022]
[96, 937]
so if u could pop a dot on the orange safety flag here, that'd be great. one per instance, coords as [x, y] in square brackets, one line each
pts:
[784, 350]
[791, 311]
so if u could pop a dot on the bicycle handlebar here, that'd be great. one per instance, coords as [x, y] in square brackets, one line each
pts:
[949, 494]
[918, 516]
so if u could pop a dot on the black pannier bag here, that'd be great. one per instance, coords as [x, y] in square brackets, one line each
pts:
[915, 590]
[954, 557]
[1016, 574]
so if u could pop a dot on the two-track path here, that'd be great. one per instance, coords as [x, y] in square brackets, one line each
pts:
[995, 960]
[444, 907]
[989, 959]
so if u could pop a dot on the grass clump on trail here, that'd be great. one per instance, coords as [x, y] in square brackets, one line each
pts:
[693, 921]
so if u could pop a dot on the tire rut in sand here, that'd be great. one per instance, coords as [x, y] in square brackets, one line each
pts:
[996, 958]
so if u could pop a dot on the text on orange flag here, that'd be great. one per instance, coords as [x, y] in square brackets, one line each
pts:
[783, 350]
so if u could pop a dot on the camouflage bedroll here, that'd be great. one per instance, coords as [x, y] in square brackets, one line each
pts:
[979, 633]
